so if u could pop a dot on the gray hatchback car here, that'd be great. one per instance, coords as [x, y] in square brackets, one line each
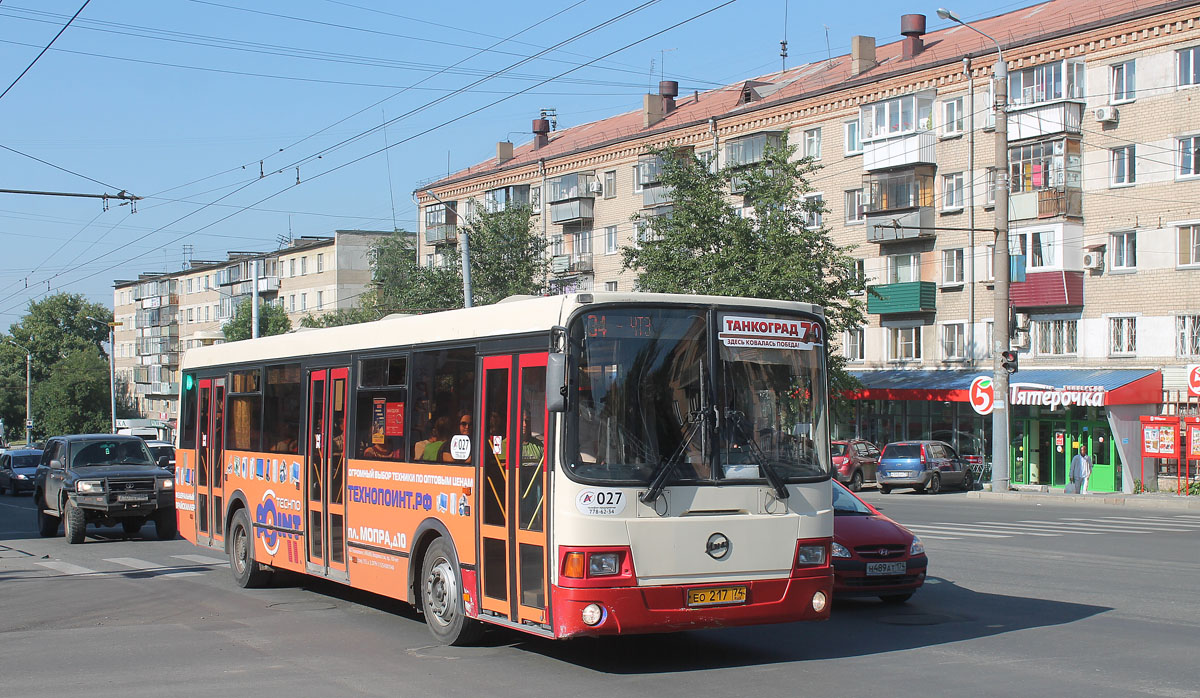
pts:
[925, 466]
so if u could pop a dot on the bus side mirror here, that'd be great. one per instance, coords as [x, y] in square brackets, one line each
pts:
[556, 382]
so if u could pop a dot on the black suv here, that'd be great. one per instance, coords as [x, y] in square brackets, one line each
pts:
[101, 479]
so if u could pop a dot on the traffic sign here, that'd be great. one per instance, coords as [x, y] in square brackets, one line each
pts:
[1193, 380]
[982, 395]
[28, 423]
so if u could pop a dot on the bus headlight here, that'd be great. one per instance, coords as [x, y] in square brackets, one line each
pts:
[604, 564]
[810, 554]
[592, 614]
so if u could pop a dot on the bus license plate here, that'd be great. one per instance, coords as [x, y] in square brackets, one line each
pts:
[716, 596]
[885, 568]
[132, 498]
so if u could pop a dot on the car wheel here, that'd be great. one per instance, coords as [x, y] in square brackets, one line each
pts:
[895, 599]
[166, 524]
[856, 481]
[132, 526]
[884, 489]
[441, 598]
[935, 484]
[46, 523]
[74, 523]
[968, 481]
[246, 572]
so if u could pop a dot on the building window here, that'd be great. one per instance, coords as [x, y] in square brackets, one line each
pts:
[292, 303]
[303, 266]
[1189, 156]
[191, 315]
[292, 266]
[897, 116]
[1123, 335]
[856, 211]
[1124, 250]
[429, 260]
[954, 341]
[610, 184]
[989, 195]
[860, 273]
[610, 285]
[1041, 165]
[206, 310]
[1037, 247]
[1188, 66]
[189, 285]
[1057, 337]
[852, 347]
[812, 143]
[853, 143]
[904, 268]
[1122, 166]
[583, 241]
[1187, 333]
[535, 199]
[320, 299]
[1189, 245]
[320, 263]
[556, 245]
[952, 192]
[1124, 80]
[610, 239]
[1046, 83]
[904, 343]
[304, 301]
[988, 272]
[952, 117]
[990, 332]
[814, 209]
[952, 267]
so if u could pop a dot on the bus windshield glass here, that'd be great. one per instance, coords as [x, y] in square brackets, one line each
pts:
[648, 396]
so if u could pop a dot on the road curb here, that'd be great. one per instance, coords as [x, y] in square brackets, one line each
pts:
[1161, 502]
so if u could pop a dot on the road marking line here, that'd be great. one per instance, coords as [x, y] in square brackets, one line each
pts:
[1011, 530]
[1131, 526]
[935, 531]
[933, 537]
[1154, 520]
[203, 560]
[156, 570]
[66, 567]
[1048, 529]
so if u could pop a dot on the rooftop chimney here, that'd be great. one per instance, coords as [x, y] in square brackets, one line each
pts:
[656, 107]
[504, 151]
[913, 28]
[669, 89]
[862, 54]
[541, 133]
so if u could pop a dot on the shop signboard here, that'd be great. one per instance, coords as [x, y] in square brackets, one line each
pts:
[1055, 397]
[982, 395]
[1193, 380]
[1160, 437]
[1193, 438]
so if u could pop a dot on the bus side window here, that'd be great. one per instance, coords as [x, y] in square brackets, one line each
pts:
[379, 427]
[443, 389]
[283, 394]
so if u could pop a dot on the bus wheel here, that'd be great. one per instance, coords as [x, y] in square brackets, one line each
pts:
[246, 572]
[441, 597]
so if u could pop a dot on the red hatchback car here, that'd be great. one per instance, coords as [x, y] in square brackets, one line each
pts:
[873, 555]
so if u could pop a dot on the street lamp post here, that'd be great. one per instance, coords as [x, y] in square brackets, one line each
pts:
[28, 374]
[1000, 338]
[112, 370]
[464, 248]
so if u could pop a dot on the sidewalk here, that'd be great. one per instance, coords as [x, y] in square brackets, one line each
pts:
[1150, 500]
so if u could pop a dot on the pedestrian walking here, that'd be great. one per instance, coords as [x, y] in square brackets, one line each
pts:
[1081, 469]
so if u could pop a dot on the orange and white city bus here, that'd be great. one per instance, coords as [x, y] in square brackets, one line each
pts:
[587, 464]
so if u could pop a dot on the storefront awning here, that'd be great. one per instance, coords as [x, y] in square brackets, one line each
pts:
[1132, 386]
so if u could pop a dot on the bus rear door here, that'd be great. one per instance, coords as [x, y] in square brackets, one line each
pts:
[325, 472]
[210, 472]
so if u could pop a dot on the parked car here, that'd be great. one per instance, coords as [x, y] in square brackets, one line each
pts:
[873, 555]
[17, 468]
[970, 446]
[855, 462]
[102, 479]
[161, 449]
[925, 466]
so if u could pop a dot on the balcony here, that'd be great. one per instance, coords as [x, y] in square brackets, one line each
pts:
[441, 234]
[266, 284]
[893, 226]
[915, 149]
[159, 301]
[163, 388]
[573, 211]
[1044, 120]
[581, 262]
[656, 195]
[1048, 289]
[560, 263]
[1045, 203]
[905, 297]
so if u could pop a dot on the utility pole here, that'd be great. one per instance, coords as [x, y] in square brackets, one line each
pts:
[1000, 338]
[28, 377]
[254, 299]
[464, 252]
[112, 368]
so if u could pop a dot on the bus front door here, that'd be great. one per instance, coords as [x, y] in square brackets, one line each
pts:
[512, 488]
[325, 472]
[210, 471]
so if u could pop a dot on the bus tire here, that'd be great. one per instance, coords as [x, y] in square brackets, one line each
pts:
[441, 597]
[247, 573]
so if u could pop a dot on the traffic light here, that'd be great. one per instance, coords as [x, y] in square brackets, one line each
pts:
[1008, 361]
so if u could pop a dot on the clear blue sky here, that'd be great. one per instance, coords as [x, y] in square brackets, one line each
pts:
[169, 99]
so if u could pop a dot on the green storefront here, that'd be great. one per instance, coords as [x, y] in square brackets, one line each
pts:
[1042, 449]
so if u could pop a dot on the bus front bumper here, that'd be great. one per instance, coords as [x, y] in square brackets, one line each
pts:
[662, 609]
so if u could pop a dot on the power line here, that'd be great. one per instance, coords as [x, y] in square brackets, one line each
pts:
[61, 169]
[44, 50]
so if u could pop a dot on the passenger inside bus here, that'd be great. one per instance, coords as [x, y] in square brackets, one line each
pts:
[433, 447]
[464, 429]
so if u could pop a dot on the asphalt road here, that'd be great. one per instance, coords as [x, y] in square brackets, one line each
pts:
[1081, 602]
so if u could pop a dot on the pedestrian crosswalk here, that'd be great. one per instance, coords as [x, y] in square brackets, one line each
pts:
[1056, 528]
[176, 566]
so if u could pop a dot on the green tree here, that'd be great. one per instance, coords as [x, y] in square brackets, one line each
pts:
[74, 398]
[508, 258]
[704, 246]
[272, 319]
[365, 311]
[400, 283]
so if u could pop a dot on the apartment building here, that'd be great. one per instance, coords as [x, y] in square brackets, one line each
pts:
[1104, 214]
[164, 314]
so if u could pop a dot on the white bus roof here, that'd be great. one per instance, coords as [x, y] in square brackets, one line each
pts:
[508, 317]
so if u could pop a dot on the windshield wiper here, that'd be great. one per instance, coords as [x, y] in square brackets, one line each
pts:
[666, 467]
[772, 475]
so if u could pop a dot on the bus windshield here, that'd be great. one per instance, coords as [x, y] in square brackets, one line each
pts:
[648, 395]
